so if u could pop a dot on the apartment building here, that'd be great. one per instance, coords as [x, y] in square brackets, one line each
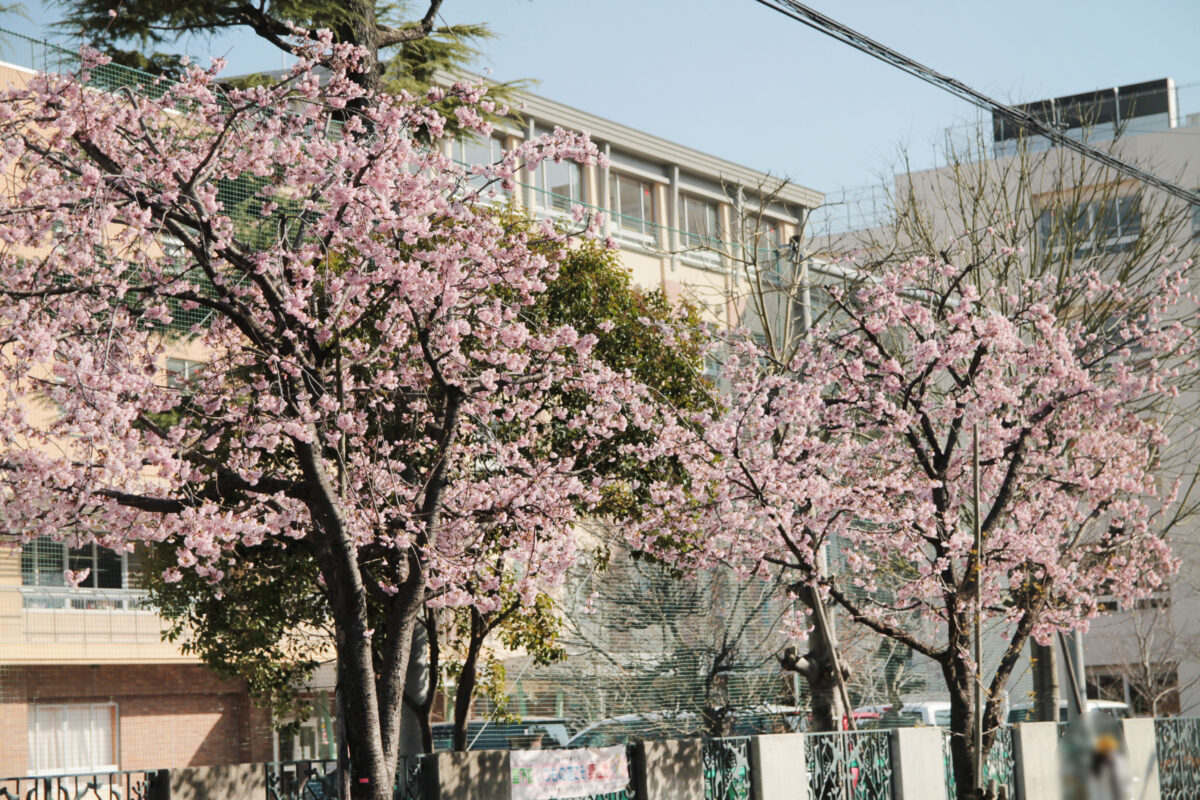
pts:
[87, 682]
[684, 220]
[1069, 212]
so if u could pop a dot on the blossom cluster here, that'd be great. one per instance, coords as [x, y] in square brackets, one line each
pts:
[370, 381]
[852, 467]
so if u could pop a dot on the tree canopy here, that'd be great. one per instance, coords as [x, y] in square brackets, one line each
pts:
[374, 387]
[861, 445]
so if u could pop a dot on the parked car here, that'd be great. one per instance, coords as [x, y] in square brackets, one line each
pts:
[485, 735]
[910, 715]
[683, 724]
[1023, 712]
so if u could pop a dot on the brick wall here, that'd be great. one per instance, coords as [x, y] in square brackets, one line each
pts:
[169, 715]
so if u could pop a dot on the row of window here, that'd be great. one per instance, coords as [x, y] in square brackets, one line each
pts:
[631, 199]
[1104, 226]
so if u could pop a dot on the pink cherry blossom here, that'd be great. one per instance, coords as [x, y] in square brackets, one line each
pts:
[372, 390]
[862, 447]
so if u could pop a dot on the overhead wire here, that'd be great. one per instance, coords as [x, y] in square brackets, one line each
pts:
[1023, 119]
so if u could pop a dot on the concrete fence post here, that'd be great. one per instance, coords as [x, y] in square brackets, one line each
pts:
[228, 782]
[918, 768]
[778, 769]
[1143, 758]
[669, 770]
[1035, 752]
[475, 775]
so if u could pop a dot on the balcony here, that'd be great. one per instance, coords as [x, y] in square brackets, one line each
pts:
[54, 614]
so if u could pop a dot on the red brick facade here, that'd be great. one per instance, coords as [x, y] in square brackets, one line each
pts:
[168, 715]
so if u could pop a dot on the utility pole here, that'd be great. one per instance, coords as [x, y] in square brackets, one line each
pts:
[978, 732]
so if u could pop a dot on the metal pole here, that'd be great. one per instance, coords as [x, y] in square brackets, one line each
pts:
[834, 662]
[1072, 648]
[978, 733]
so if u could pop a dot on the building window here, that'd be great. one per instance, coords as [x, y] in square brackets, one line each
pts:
[472, 150]
[632, 202]
[314, 738]
[698, 223]
[1196, 221]
[766, 239]
[477, 151]
[69, 739]
[1148, 690]
[43, 562]
[558, 186]
[1105, 226]
[182, 372]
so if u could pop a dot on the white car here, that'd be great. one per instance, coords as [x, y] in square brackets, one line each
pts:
[1023, 712]
[911, 715]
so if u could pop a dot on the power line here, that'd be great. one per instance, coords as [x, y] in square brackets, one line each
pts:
[1023, 119]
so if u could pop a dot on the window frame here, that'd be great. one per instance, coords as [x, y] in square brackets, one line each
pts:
[695, 243]
[646, 232]
[544, 198]
[1090, 223]
[190, 369]
[34, 729]
[38, 597]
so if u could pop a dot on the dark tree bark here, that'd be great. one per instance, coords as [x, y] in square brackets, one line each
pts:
[466, 681]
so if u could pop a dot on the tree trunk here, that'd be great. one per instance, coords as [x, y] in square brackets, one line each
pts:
[368, 763]
[960, 679]
[816, 667]
[466, 682]
[362, 29]
[962, 727]
[425, 711]
[1045, 682]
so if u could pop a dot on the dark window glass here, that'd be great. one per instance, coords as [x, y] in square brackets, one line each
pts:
[633, 201]
[42, 563]
[561, 185]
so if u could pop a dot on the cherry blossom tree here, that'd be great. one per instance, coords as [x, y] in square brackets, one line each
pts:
[861, 445]
[374, 393]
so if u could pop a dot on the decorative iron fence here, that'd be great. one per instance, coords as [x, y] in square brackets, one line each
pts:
[1000, 765]
[115, 785]
[1178, 743]
[302, 780]
[318, 780]
[727, 768]
[849, 766]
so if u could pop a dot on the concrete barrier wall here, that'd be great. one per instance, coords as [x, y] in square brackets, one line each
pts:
[230, 782]
[1035, 748]
[1143, 758]
[778, 770]
[478, 775]
[669, 770]
[918, 769]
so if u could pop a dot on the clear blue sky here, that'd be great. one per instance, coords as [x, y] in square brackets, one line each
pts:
[738, 80]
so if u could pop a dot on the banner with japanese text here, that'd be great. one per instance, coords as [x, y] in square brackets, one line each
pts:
[561, 774]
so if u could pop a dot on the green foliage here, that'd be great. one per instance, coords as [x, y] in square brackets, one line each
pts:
[143, 33]
[266, 625]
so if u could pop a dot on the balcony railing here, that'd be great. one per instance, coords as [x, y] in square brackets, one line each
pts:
[57, 614]
[66, 598]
